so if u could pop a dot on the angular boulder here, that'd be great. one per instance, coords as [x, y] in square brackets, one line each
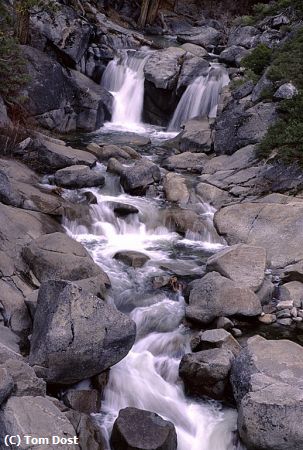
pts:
[241, 263]
[142, 430]
[76, 335]
[78, 176]
[206, 372]
[175, 188]
[214, 295]
[267, 382]
[163, 67]
[217, 338]
[136, 179]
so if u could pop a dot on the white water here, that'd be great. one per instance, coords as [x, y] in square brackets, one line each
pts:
[124, 78]
[200, 98]
[147, 377]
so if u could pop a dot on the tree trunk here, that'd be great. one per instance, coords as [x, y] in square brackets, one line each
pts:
[144, 12]
[23, 26]
[153, 11]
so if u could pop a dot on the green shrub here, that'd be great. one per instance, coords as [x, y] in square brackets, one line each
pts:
[285, 138]
[258, 59]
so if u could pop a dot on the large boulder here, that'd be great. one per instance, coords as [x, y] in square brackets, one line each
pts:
[57, 256]
[217, 338]
[163, 67]
[76, 335]
[236, 127]
[275, 227]
[142, 430]
[214, 295]
[36, 417]
[46, 155]
[206, 372]
[136, 179]
[241, 263]
[267, 383]
[72, 101]
[196, 137]
[245, 36]
[77, 177]
[193, 162]
[68, 33]
[233, 55]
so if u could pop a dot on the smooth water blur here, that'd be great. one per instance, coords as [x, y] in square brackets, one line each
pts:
[147, 377]
[201, 97]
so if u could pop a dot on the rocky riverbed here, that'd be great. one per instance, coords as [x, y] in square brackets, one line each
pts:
[151, 274]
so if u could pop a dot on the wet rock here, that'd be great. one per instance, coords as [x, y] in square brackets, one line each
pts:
[194, 49]
[262, 225]
[192, 67]
[6, 385]
[163, 67]
[114, 166]
[196, 137]
[106, 152]
[39, 417]
[77, 177]
[183, 220]
[57, 256]
[132, 258]
[123, 209]
[241, 263]
[233, 55]
[206, 372]
[267, 383]
[292, 292]
[143, 430]
[76, 335]
[244, 36]
[193, 162]
[85, 401]
[49, 155]
[175, 188]
[286, 91]
[214, 295]
[203, 36]
[137, 178]
[217, 338]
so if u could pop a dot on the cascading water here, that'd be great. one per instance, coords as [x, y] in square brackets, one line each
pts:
[124, 78]
[201, 97]
[147, 377]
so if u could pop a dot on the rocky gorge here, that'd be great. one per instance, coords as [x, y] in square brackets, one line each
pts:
[151, 262]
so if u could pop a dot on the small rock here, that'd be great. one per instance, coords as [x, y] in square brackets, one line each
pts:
[85, 401]
[294, 312]
[267, 319]
[285, 304]
[285, 322]
[286, 91]
[283, 314]
[297, 319]
[224, 322]
[236, 332]
[132, 258]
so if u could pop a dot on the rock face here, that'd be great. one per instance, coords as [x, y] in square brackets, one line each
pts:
[214, 295]
[163, 67]
[142, 430]
[241, 263]
[137, 178]
[267, 383]
[275, 227]
[56, 256]
[76, 335]
[206, 372]
[39, 417]
[70, 102]
[77, 177]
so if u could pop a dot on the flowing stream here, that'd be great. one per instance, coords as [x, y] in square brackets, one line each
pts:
[147, 377]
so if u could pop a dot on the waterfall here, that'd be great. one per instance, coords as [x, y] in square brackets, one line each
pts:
[124, 78]
[201, 97]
